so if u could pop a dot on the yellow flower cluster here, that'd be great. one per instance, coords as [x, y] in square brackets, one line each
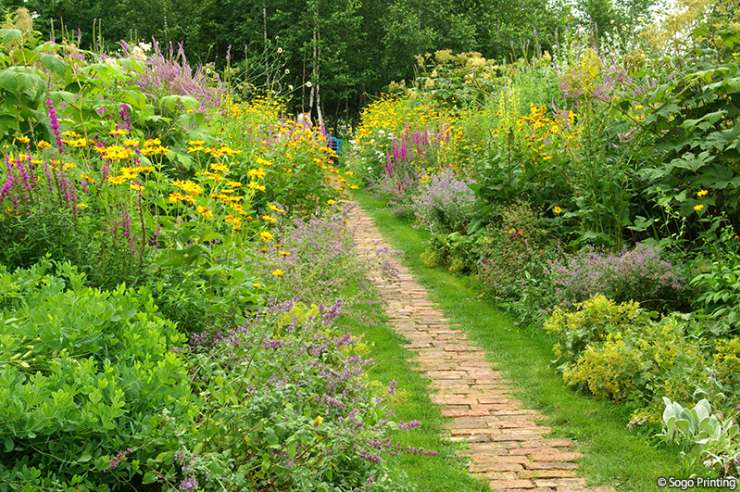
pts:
[114, 153]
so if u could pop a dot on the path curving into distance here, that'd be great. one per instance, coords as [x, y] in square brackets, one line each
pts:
[506, 445]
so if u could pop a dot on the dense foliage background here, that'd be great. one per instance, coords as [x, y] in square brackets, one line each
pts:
[362, 44]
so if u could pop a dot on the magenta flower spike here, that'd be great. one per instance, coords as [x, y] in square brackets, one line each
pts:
[54, 123]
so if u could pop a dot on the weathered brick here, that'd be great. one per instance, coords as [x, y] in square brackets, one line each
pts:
[511, 484]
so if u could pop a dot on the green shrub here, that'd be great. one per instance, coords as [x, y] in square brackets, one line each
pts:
[286, 406]
[86, 241]
[642, 363]
[719, 293]
[591, 322]
[91, 388]
[514, 258]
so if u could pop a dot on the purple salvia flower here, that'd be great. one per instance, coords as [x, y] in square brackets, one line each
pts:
[118, 458]
[273, 343]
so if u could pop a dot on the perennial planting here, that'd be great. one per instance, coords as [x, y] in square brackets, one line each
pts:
[593, 192]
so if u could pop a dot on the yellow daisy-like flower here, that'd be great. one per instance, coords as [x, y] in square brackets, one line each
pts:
[136, 186]
[318, 420]
[253, 185]
[76, 143]
[275, 208]
[118, 132]
[152, 142]
[43, 144]
[205, 211]
[188, 187]
[81, 206]
[354, 187]
[195, 143]
[175, 197]
[262, 162]
[234, 184]
[23, 140]
[115, 153]
[233, 221]
[698, 207]
[269, 218]
[256, 173]
[257, 285]
[117, 180]
[284, 252]
[557, 210]
[278, 272]
[128, 142]
[331, 202]
[266, 236]
[71, 134]
[702, 193]
[221, 168]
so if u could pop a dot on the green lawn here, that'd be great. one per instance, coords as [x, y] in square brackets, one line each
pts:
[441, 472]
[613, 454]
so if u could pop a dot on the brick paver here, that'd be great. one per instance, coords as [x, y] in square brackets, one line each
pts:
[507, 446]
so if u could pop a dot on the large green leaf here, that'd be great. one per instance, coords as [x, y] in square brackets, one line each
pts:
[10, 36]
[53, 64]
[25, 83]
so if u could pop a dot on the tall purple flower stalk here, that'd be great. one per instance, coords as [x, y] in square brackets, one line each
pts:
[9, 179]
[54, 123]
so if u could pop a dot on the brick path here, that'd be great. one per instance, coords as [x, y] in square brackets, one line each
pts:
[506, 445]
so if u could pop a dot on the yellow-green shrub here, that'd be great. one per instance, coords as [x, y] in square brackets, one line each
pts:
[591, 322]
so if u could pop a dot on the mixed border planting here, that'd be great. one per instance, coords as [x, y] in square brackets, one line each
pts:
[174, 262]
[593, 193]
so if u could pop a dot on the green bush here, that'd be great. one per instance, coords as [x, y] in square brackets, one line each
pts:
[46, 228]
[623, 353]
[286, 406]
[719, 297]
[591, 322]
[514, 258]
[86, 376]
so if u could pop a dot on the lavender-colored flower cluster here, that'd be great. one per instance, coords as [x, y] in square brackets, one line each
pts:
[172, 73]
[638, 274]
[446, 203]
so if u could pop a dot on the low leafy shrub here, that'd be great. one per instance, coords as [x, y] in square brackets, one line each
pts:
[445, 204]
[513, 261]
[716, 436]
[620, 352]
[639, 274]
[457, 250]
[94, 244]
[88, 378]
[591, 322]
[286, 406]
[719, 293]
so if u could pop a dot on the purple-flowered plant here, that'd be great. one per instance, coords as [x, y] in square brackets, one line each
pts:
[445, 204]
[171, 73]
[54, 123]
[639, 274]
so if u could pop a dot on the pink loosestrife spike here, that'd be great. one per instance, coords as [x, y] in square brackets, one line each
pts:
[54, 123]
